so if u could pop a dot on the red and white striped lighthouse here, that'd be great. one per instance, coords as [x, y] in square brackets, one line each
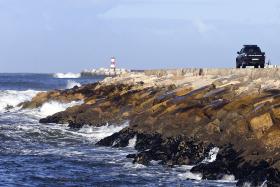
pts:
[113, 63]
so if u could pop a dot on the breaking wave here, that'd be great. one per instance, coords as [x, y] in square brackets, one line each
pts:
[11, 98]
[67, 75]
[190, 175]
[98, 133]
[53, 107]
[72, 84]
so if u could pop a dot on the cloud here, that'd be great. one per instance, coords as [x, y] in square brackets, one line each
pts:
[203, 27]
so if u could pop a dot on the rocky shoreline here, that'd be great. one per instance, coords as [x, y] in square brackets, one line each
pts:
[180, 119]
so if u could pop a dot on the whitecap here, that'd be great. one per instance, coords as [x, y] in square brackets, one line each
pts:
[72, 84]
[53, 107]
[67, 75]
[98, 133]
[11, 98]
[50, 108]
[190, 175]
[132, 142]
[134, 166]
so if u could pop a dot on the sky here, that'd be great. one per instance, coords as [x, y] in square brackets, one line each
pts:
[46, 36]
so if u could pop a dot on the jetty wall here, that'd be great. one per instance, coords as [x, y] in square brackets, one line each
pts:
[272, 73]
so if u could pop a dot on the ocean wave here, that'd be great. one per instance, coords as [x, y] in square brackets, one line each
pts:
[228, 178]
[53, 107]
[98, 133]
[72, 84]
[11, 98]
[190, 175]
[67, 75]
[134, 166]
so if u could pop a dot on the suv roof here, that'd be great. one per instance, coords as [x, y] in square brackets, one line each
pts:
[250, 45]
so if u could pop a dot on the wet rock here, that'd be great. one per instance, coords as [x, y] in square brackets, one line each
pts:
[9, 107]
[119, 139]
[169, 151]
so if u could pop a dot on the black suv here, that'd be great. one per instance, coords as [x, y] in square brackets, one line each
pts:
[250, 55]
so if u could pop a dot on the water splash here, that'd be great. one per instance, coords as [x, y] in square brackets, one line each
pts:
[132, 142]
[53, 107]
[72, 84]
[212, 155]
[98, 133]
[11, 98]
[67, 75]
[190, 175]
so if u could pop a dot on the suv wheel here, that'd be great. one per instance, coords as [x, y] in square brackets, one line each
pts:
[243, 66]
[262, 65]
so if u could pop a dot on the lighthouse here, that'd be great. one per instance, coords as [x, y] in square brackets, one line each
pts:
[113, 64]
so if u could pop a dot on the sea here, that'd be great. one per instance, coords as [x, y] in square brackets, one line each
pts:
[33, 154]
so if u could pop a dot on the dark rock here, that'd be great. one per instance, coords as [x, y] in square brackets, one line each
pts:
[119, 139]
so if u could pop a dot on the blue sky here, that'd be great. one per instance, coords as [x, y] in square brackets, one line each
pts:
[71, 35]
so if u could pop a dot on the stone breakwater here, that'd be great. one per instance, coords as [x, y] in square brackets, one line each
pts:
[178, 118]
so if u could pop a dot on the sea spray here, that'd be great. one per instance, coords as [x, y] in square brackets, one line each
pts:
[53, 107]
[67, 75]
[50, 108]
[132, 142]
[72, 84]
[212, 155]
[11, 98]
[134, 166]
[190, 175]
[98, 133]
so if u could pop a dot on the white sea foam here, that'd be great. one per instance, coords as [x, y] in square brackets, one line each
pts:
[13, 98]
[132, 142]
[155, 162]
[72, 84]
[212, 155]
[190, 175]
[98, 133]
[134, 166]
[228, 178]
[67, 75]
[53, 107]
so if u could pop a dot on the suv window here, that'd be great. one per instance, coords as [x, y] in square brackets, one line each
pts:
[252, 50]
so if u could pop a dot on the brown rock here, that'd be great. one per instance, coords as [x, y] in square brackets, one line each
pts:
[272, 139]
[276, 113]
[183, 91]
[261, 123]
[213, 126]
